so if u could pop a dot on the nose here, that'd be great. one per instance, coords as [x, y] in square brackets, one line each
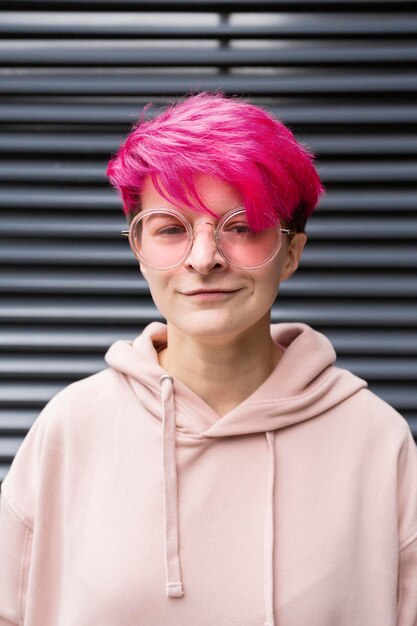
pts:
[204, 255]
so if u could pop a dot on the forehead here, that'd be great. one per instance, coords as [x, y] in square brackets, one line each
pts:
[218, 195]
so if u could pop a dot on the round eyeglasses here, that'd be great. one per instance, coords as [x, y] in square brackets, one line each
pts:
[163, 238]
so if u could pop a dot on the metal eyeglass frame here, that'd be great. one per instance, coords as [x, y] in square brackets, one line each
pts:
[130, 233]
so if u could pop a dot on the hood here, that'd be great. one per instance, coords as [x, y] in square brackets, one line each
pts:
[304, 384]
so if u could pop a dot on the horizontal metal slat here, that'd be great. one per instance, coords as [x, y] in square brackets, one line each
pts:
[80, 253]
[58, 112]
[65, 253]
[381, 368]
[19, 395]
[9, 447]
[402, 399]
[4, 468]
[19, 421]
[65, 227]
[91, 144]
[342, 286]
[83, 172]
[100, 25]
[81, 283]
[319, 227]
[82, 286]
[342, 113]
[345, 314]
[208, 5]
[63, 143]
[79, 55]
[53, 171]
[67, 198]
[374, 342]
[313, 285]
[109, 84]
[359, 228]
[327, 313]
[370, 200]
[73, 367]
[378, 172]
[356, 256]
[52, 368]
[294, 113]
[60, 199]
[75, 313]
[79, 340]
[341, 144]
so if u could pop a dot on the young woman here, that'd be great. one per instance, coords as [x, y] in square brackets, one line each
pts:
[220, 471]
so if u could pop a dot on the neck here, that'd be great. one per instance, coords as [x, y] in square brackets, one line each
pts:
[221, 372]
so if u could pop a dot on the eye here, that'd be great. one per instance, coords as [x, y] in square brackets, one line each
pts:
[174, 229]
[240, 228]
[163, 226]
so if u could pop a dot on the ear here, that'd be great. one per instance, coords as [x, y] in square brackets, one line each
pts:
[293, 257]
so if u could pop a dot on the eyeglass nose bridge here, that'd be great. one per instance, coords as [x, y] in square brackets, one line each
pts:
[215, 237]
[204, 222]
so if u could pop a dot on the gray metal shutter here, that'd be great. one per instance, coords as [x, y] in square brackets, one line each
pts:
[74, 75]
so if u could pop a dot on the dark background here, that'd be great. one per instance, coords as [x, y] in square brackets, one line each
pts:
[73, 78]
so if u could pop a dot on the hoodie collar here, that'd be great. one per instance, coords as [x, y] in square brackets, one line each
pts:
[304, 384]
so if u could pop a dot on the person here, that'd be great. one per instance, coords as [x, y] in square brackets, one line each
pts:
[221, 470]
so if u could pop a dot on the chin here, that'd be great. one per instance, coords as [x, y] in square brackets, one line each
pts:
[212, 325]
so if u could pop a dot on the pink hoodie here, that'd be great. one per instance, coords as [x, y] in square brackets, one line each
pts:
[131, 502]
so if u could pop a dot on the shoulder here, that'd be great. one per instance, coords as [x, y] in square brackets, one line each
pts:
[88, 395]
[67, 426]
[381, 419]
[77, 407]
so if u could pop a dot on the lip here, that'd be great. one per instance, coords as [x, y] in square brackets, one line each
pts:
[197, 292]
[209, 294]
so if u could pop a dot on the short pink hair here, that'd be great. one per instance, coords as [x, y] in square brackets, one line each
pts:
[225, 137]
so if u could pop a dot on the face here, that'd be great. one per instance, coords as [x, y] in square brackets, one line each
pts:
[205, 297]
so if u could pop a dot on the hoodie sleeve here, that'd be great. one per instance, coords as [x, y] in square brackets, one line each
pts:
[407, 508]
[15, 545]
[17, 512]
[407, 585]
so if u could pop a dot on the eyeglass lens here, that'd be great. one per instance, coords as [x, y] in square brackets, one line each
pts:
[162, 240]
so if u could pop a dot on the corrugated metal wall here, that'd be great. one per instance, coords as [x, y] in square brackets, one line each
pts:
[74, 75]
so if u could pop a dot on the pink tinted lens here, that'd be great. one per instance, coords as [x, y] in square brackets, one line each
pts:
[246, 248]
[161, 239]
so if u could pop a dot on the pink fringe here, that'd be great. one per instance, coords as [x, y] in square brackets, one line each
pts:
[225, 137]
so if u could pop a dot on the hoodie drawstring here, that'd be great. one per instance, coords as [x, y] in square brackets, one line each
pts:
[174, 587]
[269, 534]
[172, 558]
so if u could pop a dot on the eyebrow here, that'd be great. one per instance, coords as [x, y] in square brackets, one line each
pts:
[154, 216]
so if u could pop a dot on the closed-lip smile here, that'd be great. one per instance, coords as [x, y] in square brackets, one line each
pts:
[213, 290]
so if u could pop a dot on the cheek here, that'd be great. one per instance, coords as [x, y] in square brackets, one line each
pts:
[271, 290]
[157, 290]
[268, 283]
[158, 284]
